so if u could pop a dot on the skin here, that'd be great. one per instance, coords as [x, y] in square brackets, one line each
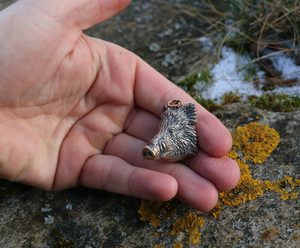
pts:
[76, 110]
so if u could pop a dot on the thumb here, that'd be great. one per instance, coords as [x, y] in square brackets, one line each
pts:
[80, 13]
[86, 13]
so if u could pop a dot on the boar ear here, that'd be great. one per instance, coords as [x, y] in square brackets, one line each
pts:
[190, 111]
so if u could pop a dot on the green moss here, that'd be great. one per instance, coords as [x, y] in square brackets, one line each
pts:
[276, 102]
[230, 97]
[205, 76]
[209, 104]
[250, 72]
[189, 82]
[188, 85]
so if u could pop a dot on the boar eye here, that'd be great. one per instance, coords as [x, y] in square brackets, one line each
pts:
[163, 146]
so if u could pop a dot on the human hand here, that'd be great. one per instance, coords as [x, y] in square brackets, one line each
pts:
[75, 110]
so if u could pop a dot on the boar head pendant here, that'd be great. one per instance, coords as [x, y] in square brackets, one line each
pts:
[177, 138]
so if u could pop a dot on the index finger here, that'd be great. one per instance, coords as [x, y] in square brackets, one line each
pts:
[152, 91]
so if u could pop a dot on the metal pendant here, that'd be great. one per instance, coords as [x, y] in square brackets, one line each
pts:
[177, 138]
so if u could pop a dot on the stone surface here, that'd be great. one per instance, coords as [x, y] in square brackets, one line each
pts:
[89, 218]
[83, 217]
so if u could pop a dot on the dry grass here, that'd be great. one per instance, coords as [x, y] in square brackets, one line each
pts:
[259, 27]
[248, 23]
[264, 28]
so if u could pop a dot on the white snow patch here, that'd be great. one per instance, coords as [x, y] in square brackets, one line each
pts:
[229, 75]
[289, 90]
[287, 67]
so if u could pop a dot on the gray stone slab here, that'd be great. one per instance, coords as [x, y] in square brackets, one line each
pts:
[166, 38]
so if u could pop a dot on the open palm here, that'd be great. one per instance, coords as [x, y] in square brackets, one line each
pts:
[78, 110]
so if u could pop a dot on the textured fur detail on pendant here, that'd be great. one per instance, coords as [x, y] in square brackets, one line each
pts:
[177, 138]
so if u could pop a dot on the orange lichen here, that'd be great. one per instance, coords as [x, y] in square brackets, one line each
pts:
[253, 142]
[256, 141]
[149, 210]
[189, 224]
[177, 244]
[153, 212]
[248, 188]
[216, 212]
[286, 187]
[233, 154]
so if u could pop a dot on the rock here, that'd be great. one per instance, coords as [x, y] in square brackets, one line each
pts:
[89, 218]
[154, 47]
[82, 217]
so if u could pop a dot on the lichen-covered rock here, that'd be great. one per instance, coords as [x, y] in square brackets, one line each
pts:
[263, 211]
[269, 217]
